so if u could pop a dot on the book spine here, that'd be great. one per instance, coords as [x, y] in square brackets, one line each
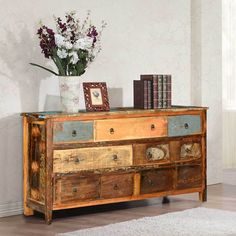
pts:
[145, 94]
[164, 91]
[138, 94]
[149, 94]
[155, 91]
[168, 91]
[159, 91]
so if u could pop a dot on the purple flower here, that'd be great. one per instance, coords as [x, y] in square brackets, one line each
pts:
[93, 34]
[47, 40]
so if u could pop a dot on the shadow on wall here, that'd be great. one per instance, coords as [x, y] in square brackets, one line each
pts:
[115, 96]
[11, 159]
[15, 73]
[16, 53]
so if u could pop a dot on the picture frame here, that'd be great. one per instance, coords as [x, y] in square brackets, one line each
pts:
[96, 96]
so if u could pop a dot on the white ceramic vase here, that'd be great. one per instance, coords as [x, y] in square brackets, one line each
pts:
[69, 93]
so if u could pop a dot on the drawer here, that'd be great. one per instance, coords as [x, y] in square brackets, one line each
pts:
[157, 180]
[72, 160]
[130, 128]
[76, 188]
[73, 131]
[184, 125]
[150, 153]
[189, 176]
[186, 149]
[120, 185]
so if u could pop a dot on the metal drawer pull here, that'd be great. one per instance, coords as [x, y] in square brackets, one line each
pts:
[74, 133]
[150, 182]
[153, 126]
[115, 187]
[186, 126]
[115, 157]
[74, 190]
[112, 131]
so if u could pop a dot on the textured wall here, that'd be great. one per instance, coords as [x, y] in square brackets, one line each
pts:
[141, 37]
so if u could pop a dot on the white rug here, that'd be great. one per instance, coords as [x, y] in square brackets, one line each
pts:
[193, 222]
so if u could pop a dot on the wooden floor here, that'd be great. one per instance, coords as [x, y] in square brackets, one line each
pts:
[220, 196]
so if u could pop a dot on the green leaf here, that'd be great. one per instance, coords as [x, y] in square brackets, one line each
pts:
[33, 64]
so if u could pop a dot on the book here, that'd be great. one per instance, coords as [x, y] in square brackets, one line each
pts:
[166, 91]
[140, 94]
[149, 79]
[169, 92]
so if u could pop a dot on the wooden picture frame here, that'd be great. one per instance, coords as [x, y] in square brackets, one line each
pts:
[96, 96]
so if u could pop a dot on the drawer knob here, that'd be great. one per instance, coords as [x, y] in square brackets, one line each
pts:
[186, 126]
[77, 160]
[115, 187]
[74, 133]
[112, 131]
[150, 182]
[74, 190]
[153, 126]
[115, 157]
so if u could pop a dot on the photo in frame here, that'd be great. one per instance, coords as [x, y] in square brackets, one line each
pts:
[96, 96]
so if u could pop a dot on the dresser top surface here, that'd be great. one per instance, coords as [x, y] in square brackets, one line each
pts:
[113, 111]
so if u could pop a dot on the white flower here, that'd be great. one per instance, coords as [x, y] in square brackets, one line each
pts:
[62, 53]
[59, 40]
[68, 45]
[84, 43]
[74, 57]
[62, 42]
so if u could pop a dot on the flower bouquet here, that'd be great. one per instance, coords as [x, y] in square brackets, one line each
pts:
[72, 46]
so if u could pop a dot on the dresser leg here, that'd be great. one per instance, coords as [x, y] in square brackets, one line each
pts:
[203, 196]
[28, 211]
[48, 217]
[165, 200]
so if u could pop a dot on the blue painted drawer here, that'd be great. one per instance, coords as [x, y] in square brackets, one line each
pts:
[73, 131]
[184, 125]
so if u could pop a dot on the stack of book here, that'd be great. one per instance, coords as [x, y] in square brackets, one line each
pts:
[152, 92]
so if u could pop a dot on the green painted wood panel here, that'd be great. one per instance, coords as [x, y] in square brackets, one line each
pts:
[184, 125]
[70, 131]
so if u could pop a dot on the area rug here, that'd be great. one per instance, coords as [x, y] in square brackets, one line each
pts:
[192, 222]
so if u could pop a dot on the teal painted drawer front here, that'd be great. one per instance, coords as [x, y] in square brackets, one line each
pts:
[184, 125]
[73, 131]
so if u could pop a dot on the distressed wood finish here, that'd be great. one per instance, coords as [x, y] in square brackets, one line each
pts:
[27, 211]
[76, 188]
[189, 176]
[65, 161]
[87, 159]
[73, 131]
[113, 186]
[157, 180]
[149, 153]
[131, 128]
[184, 125]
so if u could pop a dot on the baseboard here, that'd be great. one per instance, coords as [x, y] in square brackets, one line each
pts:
[11, 208]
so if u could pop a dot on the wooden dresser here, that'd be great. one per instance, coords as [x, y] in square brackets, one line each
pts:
[91, 158]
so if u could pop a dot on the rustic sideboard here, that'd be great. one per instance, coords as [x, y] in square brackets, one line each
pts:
[91, 158]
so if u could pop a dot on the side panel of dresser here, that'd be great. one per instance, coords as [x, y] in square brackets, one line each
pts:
[37, 164]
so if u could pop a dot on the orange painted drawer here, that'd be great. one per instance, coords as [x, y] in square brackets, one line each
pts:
[130, 128]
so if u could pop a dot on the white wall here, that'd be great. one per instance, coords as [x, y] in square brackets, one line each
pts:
[141, 37]
[206, 76]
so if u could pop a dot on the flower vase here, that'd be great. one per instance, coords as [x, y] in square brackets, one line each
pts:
[69, 93]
